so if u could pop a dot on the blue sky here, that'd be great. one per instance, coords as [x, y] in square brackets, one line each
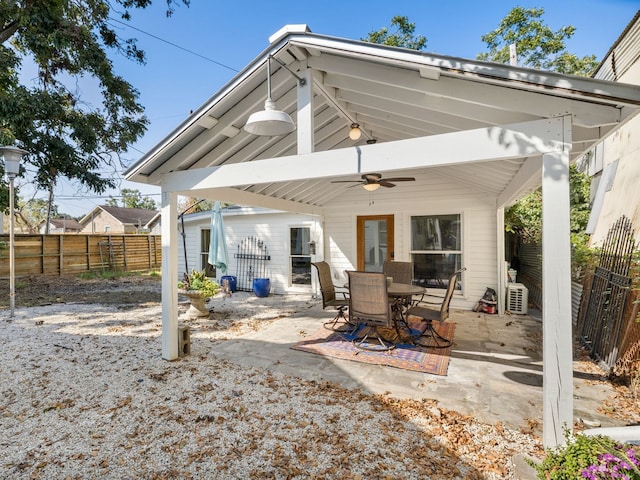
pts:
[173, 81]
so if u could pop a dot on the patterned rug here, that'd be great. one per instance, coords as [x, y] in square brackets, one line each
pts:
[406, 356]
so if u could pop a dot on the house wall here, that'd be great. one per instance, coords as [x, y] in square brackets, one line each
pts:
[429, 195]
[434, 196]
[270, 227]
[623, 147]
[101, 220]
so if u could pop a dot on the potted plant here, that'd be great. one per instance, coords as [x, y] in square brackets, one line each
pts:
[198, 288]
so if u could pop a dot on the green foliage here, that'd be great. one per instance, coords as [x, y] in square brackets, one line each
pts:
[132, 198]
[68, 43]
[525, 220]
[198, 280]
[579, 452]
[583, 257]
[537, 45]
[31, 213]
[400, 34]
[104, 274]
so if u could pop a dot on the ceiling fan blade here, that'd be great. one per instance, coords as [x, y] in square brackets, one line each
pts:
[385, 183]
[346, 181]
[400, 179]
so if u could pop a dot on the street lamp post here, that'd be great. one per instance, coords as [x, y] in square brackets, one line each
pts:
[12, 157]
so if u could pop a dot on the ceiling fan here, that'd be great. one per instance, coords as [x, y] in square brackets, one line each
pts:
[373, 181]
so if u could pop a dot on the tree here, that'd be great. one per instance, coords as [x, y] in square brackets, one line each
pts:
[67, 41]
[193, 205]
[31, 213]
[537, 45]
[132, 198]
[402, 35]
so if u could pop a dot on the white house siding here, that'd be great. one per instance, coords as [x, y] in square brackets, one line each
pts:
[439, 197]
[338, 243]
[270, 227]
[623, 146]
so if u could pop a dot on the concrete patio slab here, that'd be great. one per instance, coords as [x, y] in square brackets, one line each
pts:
[495, 371]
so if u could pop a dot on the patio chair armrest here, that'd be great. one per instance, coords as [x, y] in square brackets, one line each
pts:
[433, 299]
[340, 290]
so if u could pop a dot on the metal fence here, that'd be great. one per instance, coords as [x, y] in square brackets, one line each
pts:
[604, 316]
[251, 259]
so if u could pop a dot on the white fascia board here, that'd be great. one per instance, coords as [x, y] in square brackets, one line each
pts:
[492, 143]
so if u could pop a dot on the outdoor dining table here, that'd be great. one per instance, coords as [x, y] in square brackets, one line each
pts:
[398, 293]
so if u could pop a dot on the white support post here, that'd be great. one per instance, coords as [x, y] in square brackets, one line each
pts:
[502, 281]
[557, 354]
[304, 117]
[169, 275]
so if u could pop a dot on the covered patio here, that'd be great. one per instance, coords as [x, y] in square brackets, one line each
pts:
[476, 136]
[494, 373]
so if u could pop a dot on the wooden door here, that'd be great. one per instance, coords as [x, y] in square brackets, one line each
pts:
[375, 241]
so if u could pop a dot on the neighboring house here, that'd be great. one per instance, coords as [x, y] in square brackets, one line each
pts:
[286, 236]
[615, 163]
[475, 137]
[106, 219]
[61, 225]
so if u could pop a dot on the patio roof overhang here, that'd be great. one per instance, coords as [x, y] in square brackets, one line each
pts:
[395, 95]
[496, 129]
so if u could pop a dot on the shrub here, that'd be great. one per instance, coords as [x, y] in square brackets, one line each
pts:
[592, 457]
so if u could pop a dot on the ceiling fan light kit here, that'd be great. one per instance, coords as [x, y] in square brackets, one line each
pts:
[371, 187]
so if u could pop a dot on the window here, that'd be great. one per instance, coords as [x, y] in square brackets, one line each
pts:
[436, 249]
[300, 258]
[107, 228]
[205, 242]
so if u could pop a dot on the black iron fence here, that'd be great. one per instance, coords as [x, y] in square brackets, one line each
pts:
[607, 295]
[251, 259]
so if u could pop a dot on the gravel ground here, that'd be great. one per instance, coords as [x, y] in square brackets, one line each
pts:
[86, 395]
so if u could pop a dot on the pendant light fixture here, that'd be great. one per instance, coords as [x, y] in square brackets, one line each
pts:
[355, 132]
[269, 122]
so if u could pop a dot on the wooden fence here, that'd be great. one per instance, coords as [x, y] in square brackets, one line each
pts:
[37, 254]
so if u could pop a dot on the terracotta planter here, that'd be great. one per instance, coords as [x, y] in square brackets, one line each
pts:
[198, 307]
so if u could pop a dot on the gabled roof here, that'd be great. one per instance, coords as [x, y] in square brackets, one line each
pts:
[66, 223]
[126, 216]
[394, 94]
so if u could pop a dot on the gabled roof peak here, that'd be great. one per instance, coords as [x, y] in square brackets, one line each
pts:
[287, 30]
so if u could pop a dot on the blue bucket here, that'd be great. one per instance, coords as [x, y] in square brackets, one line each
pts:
[233, 282]
[261, 287]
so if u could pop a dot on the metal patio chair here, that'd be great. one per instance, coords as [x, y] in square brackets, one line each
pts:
[429, 314]
[401, 272]
[369, 307]
[331, 298]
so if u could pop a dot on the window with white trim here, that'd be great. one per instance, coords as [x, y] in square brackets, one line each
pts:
[300, 257]
[436, 249]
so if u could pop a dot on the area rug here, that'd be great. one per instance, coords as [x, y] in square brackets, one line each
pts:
[405, 356]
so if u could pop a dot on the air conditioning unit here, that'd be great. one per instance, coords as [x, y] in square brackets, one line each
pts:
[517, 298]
